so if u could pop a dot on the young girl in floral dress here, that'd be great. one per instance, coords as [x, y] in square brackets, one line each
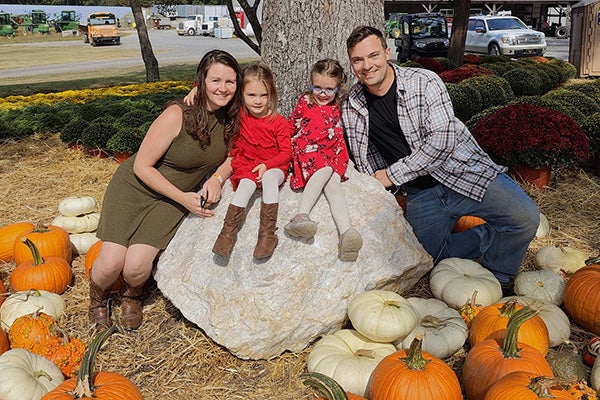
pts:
[260, 158]
[320, 157]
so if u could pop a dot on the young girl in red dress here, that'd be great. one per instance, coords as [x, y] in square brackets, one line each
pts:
[260, 158]
[320, 157]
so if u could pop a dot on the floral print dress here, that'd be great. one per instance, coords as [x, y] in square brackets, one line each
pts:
[317, 141]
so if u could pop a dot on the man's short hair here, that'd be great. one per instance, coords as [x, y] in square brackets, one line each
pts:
[360, 33]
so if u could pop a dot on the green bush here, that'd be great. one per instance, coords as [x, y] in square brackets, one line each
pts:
[135, 118]
[446, 63]
[494, 90]
[466, 101]
[547, 75]
[17, 125]
[97, 133]
[71, 133]
[563, 97]
[486, 59]
[540, 101]
[591, 127]
[524, 82]
[586, 88]
[565, 69]
[125, 140]
[499, 68]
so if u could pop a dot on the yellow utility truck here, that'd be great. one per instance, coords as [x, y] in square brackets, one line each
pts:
[101, 28]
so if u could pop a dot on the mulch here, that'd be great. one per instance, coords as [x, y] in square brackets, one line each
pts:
[171, 358]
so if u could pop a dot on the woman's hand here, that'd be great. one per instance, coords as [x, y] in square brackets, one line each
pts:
[209, 196]
[260, 170]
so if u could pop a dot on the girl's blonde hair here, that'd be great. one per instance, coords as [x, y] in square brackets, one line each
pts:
[262, 73]
[332, 69]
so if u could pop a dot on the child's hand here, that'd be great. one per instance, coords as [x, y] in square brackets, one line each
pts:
[189, 98]
[260, 170]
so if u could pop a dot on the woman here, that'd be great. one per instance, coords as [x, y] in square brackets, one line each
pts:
[151, 193]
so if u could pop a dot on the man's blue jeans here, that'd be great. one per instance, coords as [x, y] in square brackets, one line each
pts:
[512, 221]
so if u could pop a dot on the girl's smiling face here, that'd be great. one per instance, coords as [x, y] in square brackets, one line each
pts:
[324, 88]
[256, 98]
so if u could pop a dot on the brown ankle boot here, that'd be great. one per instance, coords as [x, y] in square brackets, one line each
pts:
[267, 239]
[131, 307]
[226, 239]
[99, 310]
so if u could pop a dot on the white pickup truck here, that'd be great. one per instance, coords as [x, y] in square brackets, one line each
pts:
[195, 25]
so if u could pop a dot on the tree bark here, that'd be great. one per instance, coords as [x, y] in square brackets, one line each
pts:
[296, 34]
[150, 61]
[456, 52]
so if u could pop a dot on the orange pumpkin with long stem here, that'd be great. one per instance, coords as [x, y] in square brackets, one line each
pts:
[100, 385]
[492, 359]
[491, 323]
[49, 273]
[8, 234]
[521, 385]
[412, 374]
[50, 240]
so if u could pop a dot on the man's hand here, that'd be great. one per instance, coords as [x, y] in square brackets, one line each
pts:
[382, 176]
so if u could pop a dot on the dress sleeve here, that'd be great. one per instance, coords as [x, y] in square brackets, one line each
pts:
[284, 143]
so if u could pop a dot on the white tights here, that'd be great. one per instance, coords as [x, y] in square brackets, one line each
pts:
[328, 182]
[271, 180]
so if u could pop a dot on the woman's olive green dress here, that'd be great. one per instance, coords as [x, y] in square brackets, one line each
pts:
[133, 213]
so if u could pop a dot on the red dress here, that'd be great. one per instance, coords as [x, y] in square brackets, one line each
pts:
[261, 140]
[317, 141]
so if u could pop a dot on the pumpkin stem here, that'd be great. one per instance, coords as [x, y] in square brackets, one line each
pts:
[85, 378]
[39, 373]
[592, 260]
[430, 321]
[509, 308]
[510, 345]
[391, 303]
[414, 360]
[40, 228]
[37, 258]
[326, 385]
[364, 353]
[541, 385]
[32, 292]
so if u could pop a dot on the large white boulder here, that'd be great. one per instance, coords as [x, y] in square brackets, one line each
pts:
[258, 310]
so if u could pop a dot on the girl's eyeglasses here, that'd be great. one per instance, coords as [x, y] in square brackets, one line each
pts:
[319, 90]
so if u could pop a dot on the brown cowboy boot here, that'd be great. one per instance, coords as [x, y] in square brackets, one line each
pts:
[99, 310]
[226, 239]
[131, 307]
[267, 239]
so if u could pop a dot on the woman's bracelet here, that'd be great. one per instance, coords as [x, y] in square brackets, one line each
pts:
[219, 178]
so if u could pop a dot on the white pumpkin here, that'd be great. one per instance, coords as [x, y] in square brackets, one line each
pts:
[27, 376]
[557, 322]
[76, 205]
[443, 330]
[382, 315]
[543, 228]
[545, 285]
[595, 375]
[81, 224]
[560, 259]
[83, 241]
[349, 358]
[27, 302]
[454, 280]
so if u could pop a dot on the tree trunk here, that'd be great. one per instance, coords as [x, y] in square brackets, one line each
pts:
[456, 52]
[150, 61]
[296, 34]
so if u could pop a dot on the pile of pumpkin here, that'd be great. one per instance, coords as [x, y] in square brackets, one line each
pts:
[518, 346]
[36, 354]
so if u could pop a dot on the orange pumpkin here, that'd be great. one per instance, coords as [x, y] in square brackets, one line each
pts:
[490, 360]
[491, 323]
[527, 386]
[50, 273]
[35, 332]
[3, 293]
[4, 343]
[8, 234]
[467, 222]
[582, 297]
[101, 385]
[68, 355]
[409, 375]
[91, 256]
[328, 386]
[50, 241]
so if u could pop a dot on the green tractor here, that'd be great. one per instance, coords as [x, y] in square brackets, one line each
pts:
[36, 22]
[68, 21]
[7, 25]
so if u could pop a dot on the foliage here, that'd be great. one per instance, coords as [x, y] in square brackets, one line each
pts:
[587, 89]
[446, 63]
[565, 69]
[563, 97]
[498, 68]
[463, 72]
[466, 101]
[531, 135]
[126, 140]
[431, 64]
[17, 125]
[524, 82]
[135, 118]
[71, 132]
[494, 90]
[540, 101]
[97, 133]
[486, 59]
[591, 127]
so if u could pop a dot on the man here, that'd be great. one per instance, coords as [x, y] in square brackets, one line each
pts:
[400, 128]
